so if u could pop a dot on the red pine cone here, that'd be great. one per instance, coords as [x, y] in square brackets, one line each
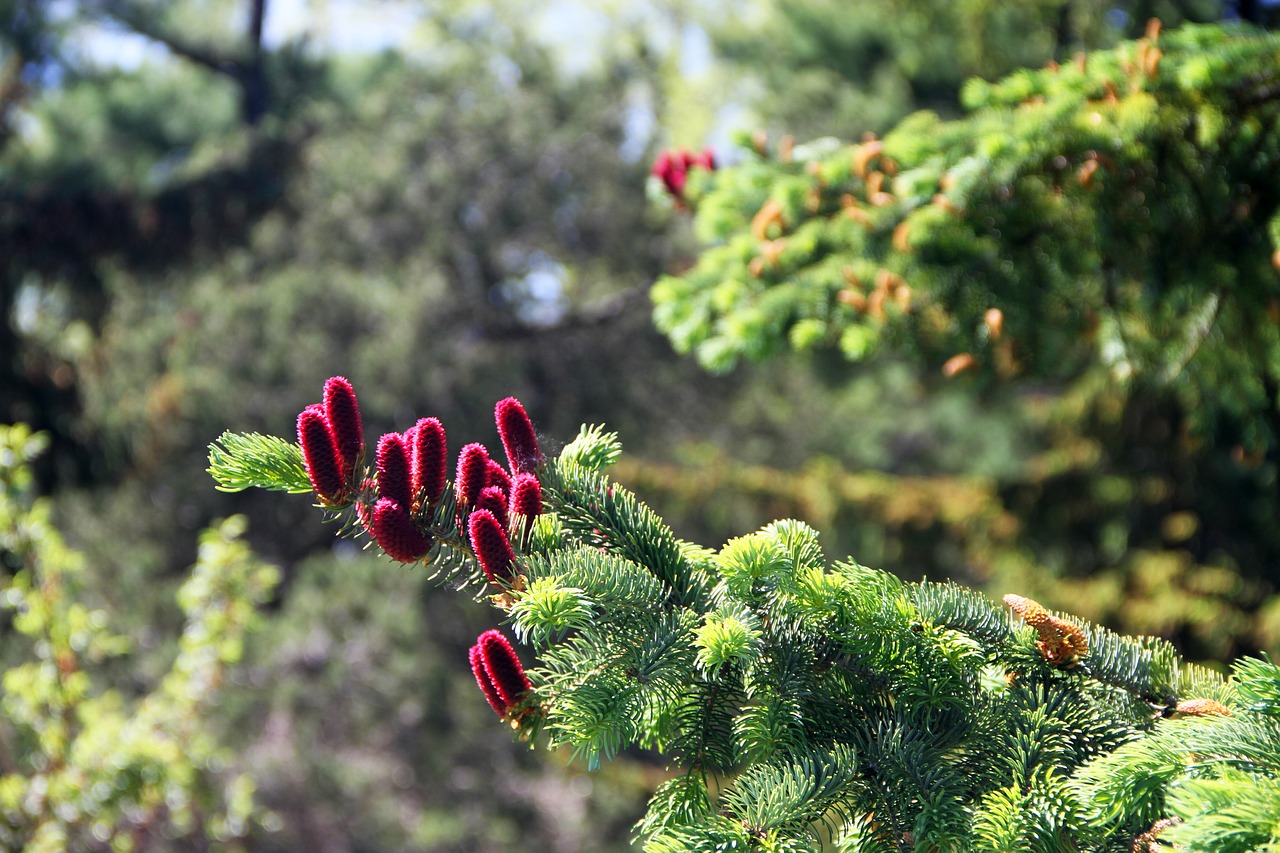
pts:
[518, 438]
[503, 670]
[494, 499]
[324, 467]
[669, 168]
[498, 476]
[526, 496]
[393, 469]
[343, 413]
[428, 459]
[492, 547]
[473, 472]
[672, 168]
[486, 684]
[394, 532]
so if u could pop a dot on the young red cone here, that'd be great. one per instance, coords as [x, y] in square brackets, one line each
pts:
[494, 499]
[393, 469]
[473, 473]
[526, 504]
[526, 496]
[343, 414]
[673, 165]
[518, 438]
[503, 669]
[486, 684]
[670, 169]
[428, 460]
[320, 455]
[492, 547]
[498, 476]
[393, 530]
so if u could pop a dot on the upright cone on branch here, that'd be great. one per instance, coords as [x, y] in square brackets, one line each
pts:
[672, 168]
[525, 504]
[343, 414]
[473, 473]
[393, 469]
[518, 438]
[526, 496]
[320, 456]
[492, 547]
[494, 499]
[429, 460]
[476, 656]
[497, 477]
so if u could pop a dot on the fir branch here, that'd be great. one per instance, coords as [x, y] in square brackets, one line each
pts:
[1145, 666]
[238, 461]
[1235, 813]
[611, 582]
[608, 690]
[906, 765]
[1258, 684]
[698, 728]
[786, 797]
[1133, 782]
[680, 802]
[1029, 817]
[604, 515]
[964, 609]
[593, 449]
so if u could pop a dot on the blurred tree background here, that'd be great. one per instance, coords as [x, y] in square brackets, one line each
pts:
[194, 236]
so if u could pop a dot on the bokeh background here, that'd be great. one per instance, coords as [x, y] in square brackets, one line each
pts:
[207, 207]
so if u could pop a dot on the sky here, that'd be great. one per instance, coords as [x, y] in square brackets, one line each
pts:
[366, 26]
[341, 26]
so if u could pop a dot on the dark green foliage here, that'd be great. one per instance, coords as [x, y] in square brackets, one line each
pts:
[837, 71]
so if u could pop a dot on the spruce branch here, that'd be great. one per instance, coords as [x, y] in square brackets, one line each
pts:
[802, 702]
[604, 515]
[239, 461]
[593, 449]
[790, 795]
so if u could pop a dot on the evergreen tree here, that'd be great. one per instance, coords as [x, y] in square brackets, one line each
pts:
[198, 153]
[840, 72]
[1103, 229]
[800, 703]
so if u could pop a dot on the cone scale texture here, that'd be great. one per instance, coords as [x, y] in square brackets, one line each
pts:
[518, 438]
[429, 460]
[320, 455]
[343, 414]
[394, 532]
[473, 473]
[393, 469]
[499, 672]
[492, 547]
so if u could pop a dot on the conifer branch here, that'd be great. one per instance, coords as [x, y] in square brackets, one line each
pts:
[239, 461]
[800, 700]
